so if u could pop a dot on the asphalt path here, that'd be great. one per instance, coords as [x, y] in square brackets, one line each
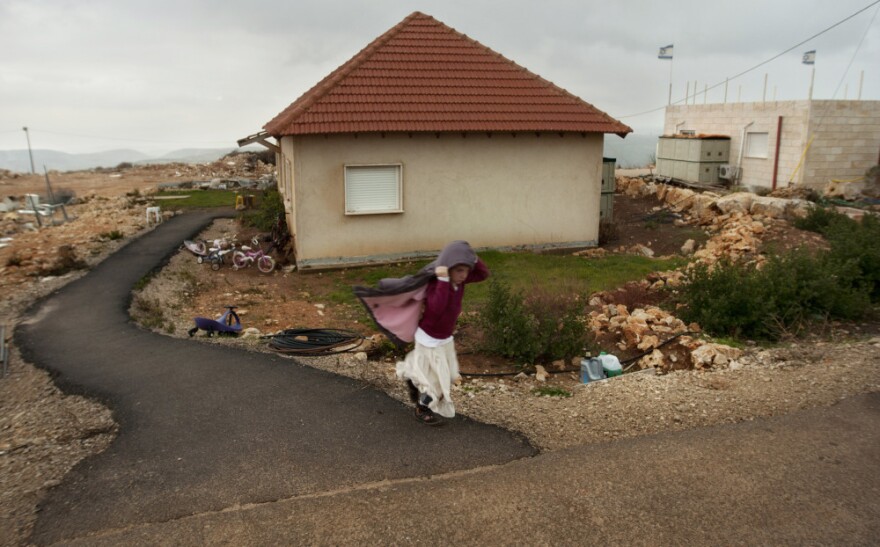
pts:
[205, 428]
[809, 478]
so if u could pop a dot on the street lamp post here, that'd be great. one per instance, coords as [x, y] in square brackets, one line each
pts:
[31, 154]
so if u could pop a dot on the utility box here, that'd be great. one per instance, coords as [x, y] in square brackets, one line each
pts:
[692, 158]
[609, 185]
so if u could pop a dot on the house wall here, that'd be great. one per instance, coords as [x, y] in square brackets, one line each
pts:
[493, 191]
[846, 137]
[730, 119]
[285, 161]
[846, 140]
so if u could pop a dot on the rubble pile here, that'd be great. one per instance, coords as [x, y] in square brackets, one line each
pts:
[663, 341]
[235, 165]
[737, 221]
[862, 188]
[233, 171]
[57, 249]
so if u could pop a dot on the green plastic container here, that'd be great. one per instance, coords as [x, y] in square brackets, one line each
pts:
[610, 365]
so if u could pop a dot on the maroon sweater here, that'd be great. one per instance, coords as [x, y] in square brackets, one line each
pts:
[443, 303]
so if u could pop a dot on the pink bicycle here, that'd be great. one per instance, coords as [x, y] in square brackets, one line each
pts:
[247, 256]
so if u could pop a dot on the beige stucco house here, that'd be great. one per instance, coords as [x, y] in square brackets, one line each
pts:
[777, 144]
[426, 136]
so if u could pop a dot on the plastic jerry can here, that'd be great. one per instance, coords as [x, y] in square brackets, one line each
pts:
[610, 365]
[591, 370]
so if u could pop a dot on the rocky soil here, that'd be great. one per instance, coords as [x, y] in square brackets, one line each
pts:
[44, 432]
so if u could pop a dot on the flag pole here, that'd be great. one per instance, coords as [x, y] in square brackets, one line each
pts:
[666, 53]
[809, 58]
[812, 79]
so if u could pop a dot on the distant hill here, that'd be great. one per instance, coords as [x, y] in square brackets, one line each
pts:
[636, 150]
[191, 155]
[19, 162]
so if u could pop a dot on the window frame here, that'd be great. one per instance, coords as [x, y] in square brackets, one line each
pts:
[751, 144]
[397, 208]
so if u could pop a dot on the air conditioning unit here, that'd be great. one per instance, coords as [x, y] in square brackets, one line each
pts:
[727, 171]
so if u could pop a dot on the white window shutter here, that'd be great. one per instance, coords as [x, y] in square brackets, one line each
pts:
[372, 189]
[757, 145]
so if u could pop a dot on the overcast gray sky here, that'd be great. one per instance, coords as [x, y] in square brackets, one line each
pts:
[92, 75]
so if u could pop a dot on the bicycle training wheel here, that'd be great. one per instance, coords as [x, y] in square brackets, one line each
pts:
[266, 264]
[239, 260]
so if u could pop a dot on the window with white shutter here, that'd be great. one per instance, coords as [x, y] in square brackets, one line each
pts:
[757, 145]
[373, 189]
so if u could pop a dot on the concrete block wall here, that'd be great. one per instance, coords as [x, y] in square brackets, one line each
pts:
[846, 141]
[730, 118]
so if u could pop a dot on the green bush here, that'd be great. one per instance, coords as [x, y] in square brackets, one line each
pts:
[266, 215]
[817, 219]
[854, 244]
[790, 291]
[726, 300]
[112, 235]
[540, 328]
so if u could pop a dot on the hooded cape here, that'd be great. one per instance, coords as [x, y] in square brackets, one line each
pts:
[395, 304]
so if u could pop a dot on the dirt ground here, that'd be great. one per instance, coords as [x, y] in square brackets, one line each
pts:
[44, 432]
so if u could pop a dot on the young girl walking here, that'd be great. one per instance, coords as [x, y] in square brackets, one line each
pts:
[424, 308]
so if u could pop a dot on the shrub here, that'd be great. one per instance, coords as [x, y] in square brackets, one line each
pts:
[725, 300]
[540, 328]
[852, 242]
[793, 289]
[817, 219]
[62, 196]
[271, 208]
[802, 286]
[112, 235]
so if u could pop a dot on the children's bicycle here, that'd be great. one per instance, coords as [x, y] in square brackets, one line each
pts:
[247, 256]
[213, 252]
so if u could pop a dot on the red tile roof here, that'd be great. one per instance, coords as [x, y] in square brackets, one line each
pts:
[422, 75]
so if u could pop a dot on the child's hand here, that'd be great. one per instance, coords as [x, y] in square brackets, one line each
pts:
[441, 271]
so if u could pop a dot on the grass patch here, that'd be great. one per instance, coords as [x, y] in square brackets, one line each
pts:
[565, 275]
[151, 314]
[143, 281]
[196, 198]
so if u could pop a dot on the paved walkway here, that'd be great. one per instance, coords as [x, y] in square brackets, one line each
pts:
[223, 446]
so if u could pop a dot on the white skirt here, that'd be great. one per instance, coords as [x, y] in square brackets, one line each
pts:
[432, 371]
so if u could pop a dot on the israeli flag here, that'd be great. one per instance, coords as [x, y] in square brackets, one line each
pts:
[665, 52]
[810, 57]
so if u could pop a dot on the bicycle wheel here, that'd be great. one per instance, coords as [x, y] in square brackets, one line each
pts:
[239, 259]
[266, 264]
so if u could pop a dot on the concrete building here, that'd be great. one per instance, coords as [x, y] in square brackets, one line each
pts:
[777, 144]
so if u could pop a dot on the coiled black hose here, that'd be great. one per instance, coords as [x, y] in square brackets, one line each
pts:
[308, 342]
